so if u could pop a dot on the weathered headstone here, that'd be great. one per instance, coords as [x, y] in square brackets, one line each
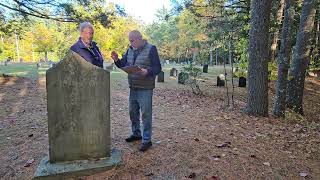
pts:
[78, 104]
[161, 77]
[173, 72]
[242, 82]
[220, 80]
[183, 77]
[205, 68]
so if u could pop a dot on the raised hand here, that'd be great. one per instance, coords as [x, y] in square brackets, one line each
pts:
[114, 56]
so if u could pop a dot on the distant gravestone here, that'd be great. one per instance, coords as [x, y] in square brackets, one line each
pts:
[38, 65]
[220, 80]
[183, 77]
[242, 82]
[78, 104]
[161, 77]
[51, 64]
[174, 72]
[205, 68]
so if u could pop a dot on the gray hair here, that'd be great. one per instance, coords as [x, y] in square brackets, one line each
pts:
[84, 25]
[136, 34]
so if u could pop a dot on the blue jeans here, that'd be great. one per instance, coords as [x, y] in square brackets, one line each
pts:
[140, 100]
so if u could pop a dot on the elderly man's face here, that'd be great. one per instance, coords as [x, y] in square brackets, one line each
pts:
[135, 41]
[87, 35]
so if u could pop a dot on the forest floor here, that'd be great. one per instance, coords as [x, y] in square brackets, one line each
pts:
[197, 137]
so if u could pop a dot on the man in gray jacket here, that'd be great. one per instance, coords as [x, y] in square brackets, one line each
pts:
[141, 84]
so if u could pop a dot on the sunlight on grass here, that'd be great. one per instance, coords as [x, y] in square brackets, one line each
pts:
[30, 70]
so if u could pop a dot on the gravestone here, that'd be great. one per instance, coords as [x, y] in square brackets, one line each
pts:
[242, 82]
[38, 65]
[51, 64]
[183, 77]
[161, 77]
[220, 80]
[205, 68]
[174, 72]
[78, 104]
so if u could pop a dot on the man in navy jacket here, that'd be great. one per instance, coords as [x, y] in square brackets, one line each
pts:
[87, 48]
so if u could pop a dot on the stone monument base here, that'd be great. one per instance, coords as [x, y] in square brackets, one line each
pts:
[63, 170]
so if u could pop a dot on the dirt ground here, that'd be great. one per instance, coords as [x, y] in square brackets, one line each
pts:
[195, 137]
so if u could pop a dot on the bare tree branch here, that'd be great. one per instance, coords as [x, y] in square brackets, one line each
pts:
[38, 15]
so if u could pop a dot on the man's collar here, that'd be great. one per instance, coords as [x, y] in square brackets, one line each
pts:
[140, 48]
[82, 44]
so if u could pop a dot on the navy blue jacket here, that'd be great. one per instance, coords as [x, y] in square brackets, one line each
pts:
[155, 62]
[92, 55]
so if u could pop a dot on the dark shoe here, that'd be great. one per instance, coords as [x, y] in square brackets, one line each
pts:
[133, 138]
[145, 146]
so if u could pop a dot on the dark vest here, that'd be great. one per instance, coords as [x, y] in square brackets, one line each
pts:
[142, 60]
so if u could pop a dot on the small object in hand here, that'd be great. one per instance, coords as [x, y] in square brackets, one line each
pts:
[132, 69]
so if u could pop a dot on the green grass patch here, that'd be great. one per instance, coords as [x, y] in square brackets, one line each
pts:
[28, 70]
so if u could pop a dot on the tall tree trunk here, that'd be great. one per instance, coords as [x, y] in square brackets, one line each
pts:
[225, 74]
[217, 51]
[317, 38]
[301, 57]
[230, 55]
[231, 61]
[211, 58]
[258, 58]
[284, 60]
[46, 56]
[274, 45]
[314, 50]
[17, 46]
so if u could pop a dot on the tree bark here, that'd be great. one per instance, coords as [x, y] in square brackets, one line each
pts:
[210, 56]
[230, 53]
[301, 57]
[284, 60]
[274, 45]
[46, 56]
[217, 57]
[317, 39]
[258, 58]
[17, 46]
